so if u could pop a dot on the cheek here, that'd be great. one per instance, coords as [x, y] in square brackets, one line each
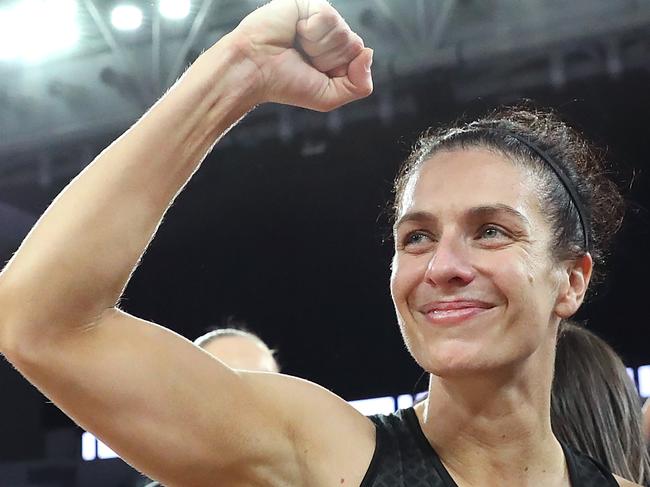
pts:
[530, 290]
[515, 275]
[405, 276]
[395, 279]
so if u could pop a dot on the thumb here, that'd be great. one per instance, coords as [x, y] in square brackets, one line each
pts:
[359, 73]
[355, 84]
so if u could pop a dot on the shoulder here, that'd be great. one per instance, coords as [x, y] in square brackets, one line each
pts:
[625, 483]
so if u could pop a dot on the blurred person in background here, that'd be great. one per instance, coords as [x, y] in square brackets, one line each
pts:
[595, 407]
[238, 347]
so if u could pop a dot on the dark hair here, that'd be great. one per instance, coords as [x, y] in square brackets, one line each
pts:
[583, 165]
[595, 407]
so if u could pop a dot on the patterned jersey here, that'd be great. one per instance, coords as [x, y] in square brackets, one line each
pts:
[404, 458]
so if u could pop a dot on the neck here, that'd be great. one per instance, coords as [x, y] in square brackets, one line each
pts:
[496, 425]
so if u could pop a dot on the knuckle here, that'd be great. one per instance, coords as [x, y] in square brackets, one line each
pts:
[354, 47]
[340, 36]
[330, 17]
[357, 41]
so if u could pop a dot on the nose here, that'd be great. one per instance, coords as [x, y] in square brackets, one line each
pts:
[450, 264]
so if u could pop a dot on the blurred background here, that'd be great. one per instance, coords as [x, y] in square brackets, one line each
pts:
[286, 224]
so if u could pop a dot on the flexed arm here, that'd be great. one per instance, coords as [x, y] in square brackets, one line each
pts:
[92, 236]
[124, 378]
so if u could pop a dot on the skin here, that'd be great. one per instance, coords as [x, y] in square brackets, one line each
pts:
[245, 428]
[242, 352]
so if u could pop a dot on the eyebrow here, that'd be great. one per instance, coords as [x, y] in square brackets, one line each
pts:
[474, 212]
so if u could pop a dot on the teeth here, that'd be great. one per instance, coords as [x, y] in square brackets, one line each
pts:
[441, 313]
[451, 310]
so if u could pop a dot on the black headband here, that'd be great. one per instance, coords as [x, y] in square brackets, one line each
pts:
[561, 174]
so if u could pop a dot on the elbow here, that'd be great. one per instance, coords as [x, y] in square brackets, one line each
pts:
[18, 339]
[7, 335]
[11, 346]
[14, 345]
[33, 326]
[25, 348]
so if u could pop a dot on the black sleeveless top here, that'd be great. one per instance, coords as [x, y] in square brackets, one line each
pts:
[404, 458]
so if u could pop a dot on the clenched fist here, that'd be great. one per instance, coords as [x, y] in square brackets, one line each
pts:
[304, 54]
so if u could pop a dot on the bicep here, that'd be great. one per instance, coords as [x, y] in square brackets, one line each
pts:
[164, 405]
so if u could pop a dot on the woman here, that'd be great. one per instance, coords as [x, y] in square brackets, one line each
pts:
[486, 265]
[497, 225]
[595, 407]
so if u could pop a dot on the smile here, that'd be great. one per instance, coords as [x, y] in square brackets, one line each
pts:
[454, 312]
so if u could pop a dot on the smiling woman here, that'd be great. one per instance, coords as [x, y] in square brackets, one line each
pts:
[498, 225]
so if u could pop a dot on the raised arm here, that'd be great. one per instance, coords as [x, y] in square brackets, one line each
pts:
[165, 406]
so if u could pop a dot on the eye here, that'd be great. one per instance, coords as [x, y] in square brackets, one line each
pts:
[416, 240]
[492, 232]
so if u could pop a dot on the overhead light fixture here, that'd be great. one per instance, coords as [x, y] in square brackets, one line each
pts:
[34, 29]
[126, 17]
[174, 9]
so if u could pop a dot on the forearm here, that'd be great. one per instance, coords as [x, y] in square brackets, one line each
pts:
[78, 258]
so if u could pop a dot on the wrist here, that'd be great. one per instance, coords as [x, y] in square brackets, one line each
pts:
[231, 72]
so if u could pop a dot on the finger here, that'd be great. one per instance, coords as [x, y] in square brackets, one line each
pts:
[319, 24]
[360, 74]
[338, 72]
[357, 84]
[338, 36]
[339, 56]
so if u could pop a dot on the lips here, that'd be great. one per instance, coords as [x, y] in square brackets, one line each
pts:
[451, 312]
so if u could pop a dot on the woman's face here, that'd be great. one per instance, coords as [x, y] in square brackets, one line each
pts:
[473, 281]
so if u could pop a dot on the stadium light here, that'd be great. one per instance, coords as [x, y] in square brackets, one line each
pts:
[33, 29]
[174, 9]
[88, 446]
[126, 17]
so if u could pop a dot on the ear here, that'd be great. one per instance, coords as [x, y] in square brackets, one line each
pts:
[573, 287]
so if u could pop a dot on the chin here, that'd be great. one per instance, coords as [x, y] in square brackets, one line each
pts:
[458, 360]
[456, 369]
